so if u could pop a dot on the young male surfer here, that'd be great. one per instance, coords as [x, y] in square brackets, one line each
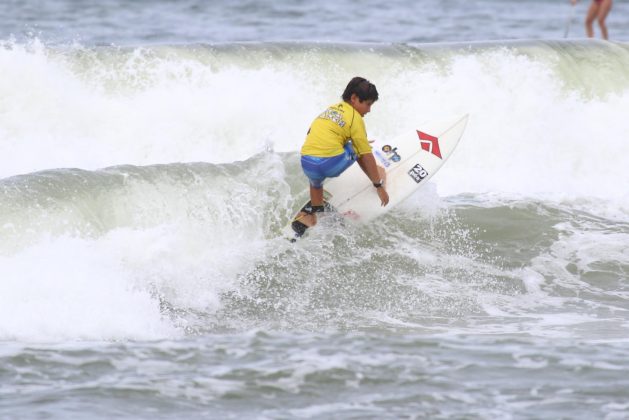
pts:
[337, 138]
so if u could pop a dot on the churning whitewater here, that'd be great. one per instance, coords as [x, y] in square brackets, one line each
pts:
[143, 191]
[140, 179]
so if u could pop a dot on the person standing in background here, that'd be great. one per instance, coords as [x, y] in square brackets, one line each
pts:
[599, 9]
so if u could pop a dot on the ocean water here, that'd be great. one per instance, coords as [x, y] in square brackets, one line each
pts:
[149, 158]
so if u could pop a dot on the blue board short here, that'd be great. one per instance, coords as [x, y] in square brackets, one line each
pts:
[319, 168]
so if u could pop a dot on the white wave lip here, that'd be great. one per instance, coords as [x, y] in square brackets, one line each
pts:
[536, 126]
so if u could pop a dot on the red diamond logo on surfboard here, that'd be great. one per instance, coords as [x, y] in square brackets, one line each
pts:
[429, 143]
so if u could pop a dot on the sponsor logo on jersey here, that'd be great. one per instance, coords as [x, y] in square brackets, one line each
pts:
[334, 116]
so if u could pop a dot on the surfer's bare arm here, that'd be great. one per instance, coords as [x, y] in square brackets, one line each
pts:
[368, 165]
[375, 174]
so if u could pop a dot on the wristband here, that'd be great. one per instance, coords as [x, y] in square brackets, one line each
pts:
[378, 184]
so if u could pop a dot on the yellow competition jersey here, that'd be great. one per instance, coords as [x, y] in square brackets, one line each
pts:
[332, 129]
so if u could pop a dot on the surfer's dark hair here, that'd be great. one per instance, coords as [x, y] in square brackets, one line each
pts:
[363, 88]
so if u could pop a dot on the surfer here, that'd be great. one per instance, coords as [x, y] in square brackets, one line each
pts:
[599, 9]
[336, 139]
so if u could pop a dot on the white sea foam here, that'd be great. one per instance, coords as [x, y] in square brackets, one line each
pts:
[113, 287]
[182, 236]
[534, 129]
[69, 289]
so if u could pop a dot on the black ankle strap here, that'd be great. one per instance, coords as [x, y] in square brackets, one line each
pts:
[309, 209]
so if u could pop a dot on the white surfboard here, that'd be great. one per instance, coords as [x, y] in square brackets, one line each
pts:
[410, 160]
